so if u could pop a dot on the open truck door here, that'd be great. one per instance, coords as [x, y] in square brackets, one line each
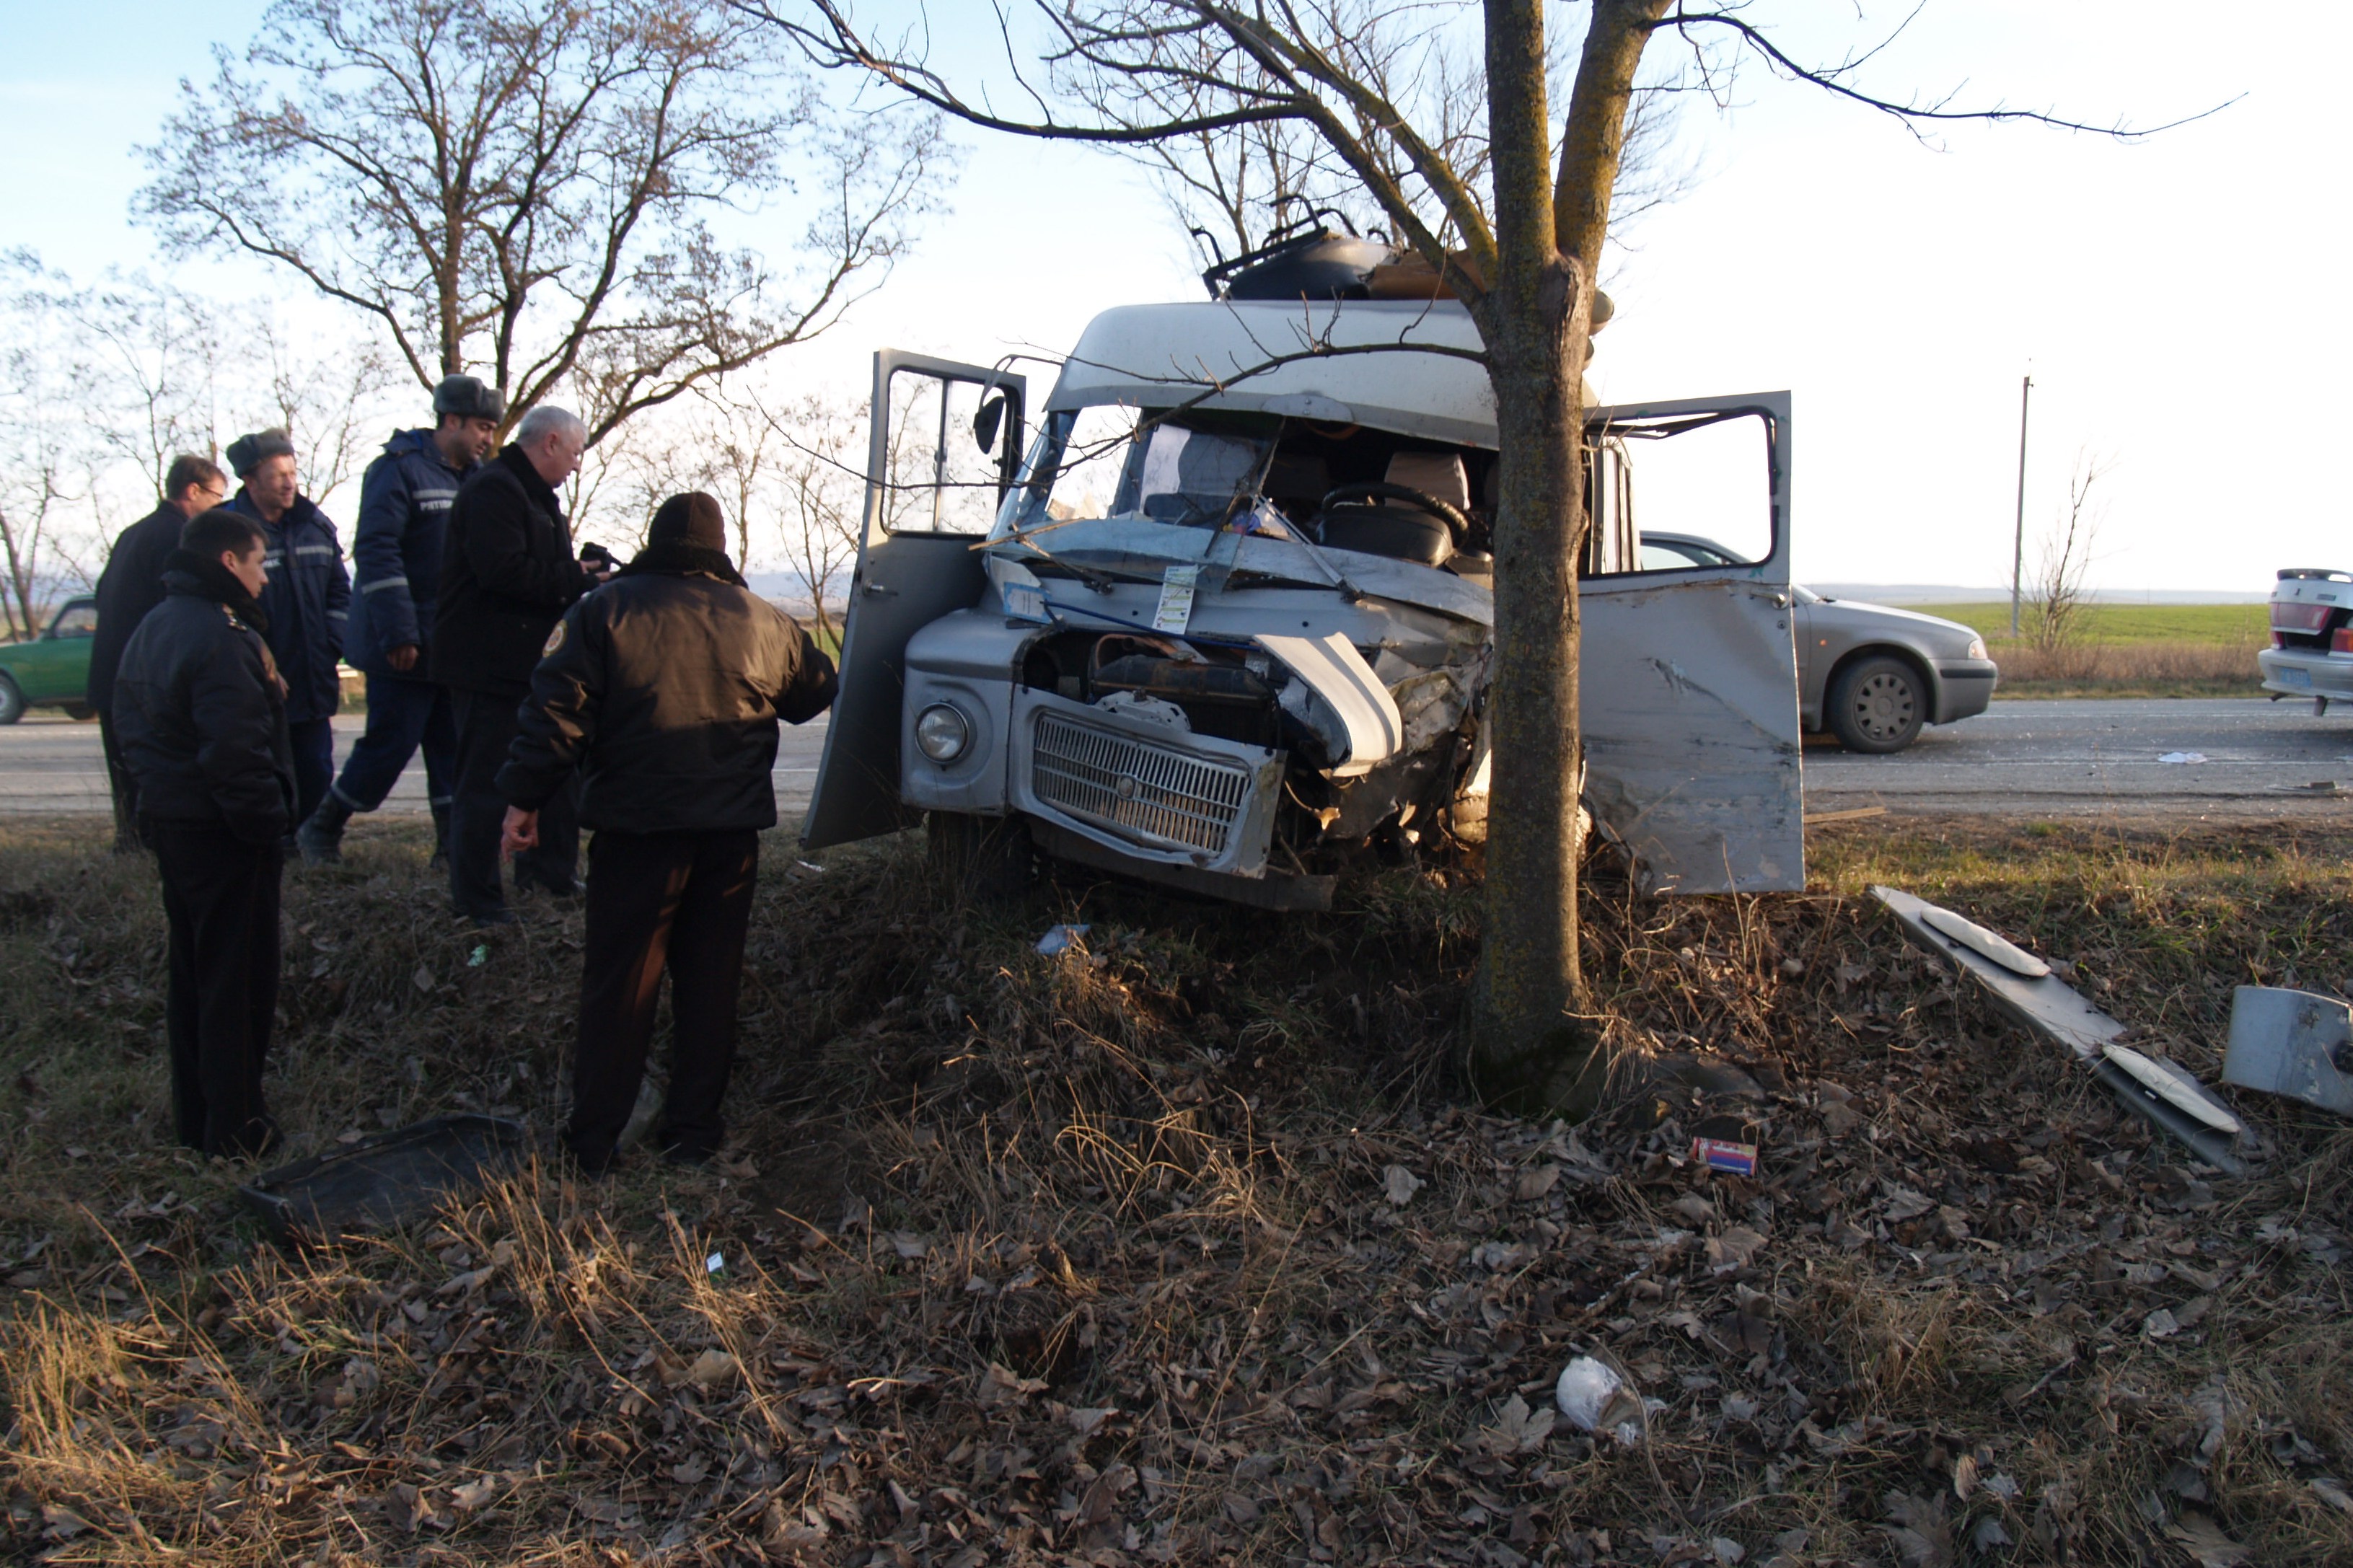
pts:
[1688, 684]
[943, 447]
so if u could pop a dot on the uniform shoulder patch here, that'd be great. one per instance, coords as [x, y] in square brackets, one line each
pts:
[554, 641]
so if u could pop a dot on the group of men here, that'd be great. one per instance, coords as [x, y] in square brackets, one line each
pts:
[547, 690]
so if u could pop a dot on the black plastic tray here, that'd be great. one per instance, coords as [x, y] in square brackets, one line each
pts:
[386, 1181]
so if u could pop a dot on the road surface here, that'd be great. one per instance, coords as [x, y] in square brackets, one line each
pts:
[49, 763]
[2024, 760]
[2078, 758]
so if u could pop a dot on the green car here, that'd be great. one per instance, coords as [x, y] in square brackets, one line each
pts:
[53, 669]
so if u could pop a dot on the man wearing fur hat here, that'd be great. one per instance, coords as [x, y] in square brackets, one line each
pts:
[662, 689]
[396, 551]
[307, 602]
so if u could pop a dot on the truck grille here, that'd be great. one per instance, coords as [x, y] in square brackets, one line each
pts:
[1153, 795]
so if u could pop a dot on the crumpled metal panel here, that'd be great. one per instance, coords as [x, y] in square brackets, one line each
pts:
[2292, 1043]
[1691, 747]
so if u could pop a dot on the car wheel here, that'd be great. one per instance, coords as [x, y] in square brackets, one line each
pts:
[1877, 705]
[12, 701]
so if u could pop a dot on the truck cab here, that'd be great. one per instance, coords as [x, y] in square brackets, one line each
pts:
[1221, 617]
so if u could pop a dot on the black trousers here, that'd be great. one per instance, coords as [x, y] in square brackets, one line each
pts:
[220, 898]
[486, 728]
[121, 783]
[679, 901]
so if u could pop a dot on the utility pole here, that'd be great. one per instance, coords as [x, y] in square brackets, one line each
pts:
[2017, 537]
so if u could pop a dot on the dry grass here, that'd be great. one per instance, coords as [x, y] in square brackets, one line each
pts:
[2136, 669]
[1097, 1257]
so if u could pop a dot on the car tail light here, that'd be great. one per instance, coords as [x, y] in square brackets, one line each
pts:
[2341, 641]
[2294, 617]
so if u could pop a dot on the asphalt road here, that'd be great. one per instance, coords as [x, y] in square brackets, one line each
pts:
[2037, 760]
[49, 763]
[2025, 760]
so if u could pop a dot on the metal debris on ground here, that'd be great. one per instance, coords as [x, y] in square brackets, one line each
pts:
[2159, 1092]
[1851, 813]
[2292, 1043]
[384, 1182]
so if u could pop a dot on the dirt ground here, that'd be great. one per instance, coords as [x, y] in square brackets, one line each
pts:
[1189, 1244]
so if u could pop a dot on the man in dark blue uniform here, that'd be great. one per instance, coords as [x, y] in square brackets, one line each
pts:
[396, 554]
[307, 601]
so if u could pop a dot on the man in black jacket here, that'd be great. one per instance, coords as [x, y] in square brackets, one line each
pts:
[663, 690]
[202, 715]
[133, 584]
[507, 573]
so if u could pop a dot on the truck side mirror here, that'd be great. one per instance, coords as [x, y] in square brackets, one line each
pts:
[986, 420]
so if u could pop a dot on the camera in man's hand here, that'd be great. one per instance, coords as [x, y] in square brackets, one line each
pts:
[598, 560]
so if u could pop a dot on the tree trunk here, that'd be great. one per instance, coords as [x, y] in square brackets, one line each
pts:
[1530, 1047]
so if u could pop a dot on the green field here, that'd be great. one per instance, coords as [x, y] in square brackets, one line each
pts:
[2127, 650]
[2208, 626]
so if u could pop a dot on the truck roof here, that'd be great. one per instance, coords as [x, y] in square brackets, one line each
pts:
[1412, 372]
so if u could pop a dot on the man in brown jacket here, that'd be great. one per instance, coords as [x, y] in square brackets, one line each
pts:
[662, 689]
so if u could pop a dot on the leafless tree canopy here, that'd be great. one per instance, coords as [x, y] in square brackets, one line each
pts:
[526, 187]
[1239, 184]
[106, 383]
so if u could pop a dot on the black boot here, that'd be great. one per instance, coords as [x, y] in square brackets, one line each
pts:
[440, 861]
[320, 837]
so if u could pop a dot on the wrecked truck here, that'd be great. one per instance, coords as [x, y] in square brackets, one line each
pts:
[1221, 617]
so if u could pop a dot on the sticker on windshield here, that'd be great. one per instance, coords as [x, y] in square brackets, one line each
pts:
[1025, 601]
[1175, 611]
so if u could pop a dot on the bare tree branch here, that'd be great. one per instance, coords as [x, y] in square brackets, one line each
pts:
[525, 187]
[1828, 78]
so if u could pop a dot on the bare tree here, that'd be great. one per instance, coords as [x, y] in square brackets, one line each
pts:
[823, 496]
[1238, 185]
[29, 510]
[526, 185]
[149, 357]
[43, 441]
[2061, 574]
[1520, 231]
[328, 397]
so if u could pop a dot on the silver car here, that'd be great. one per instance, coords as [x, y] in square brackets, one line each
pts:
[1869, 674]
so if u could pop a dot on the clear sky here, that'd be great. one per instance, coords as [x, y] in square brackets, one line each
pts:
[2179, 301]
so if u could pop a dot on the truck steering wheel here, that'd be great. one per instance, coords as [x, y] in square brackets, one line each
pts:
[1456, 523]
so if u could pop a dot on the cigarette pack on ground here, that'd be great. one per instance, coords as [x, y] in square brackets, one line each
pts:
[1723, 1154]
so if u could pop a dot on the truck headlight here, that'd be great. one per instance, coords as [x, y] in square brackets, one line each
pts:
[942, 731]
[1977, 648]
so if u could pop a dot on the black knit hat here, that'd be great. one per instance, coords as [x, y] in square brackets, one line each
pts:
[467, 397]
[690, 519]
[248, 453]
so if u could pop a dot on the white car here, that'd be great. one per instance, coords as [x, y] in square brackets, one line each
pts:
[2312, 637]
